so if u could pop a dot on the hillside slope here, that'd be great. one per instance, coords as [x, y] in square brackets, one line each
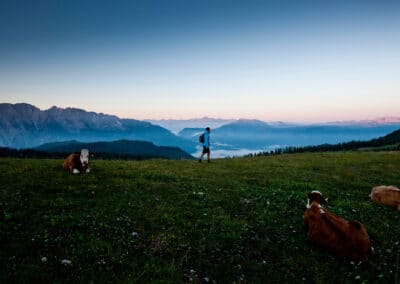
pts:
[233, 220]
[119, 147]
[388, 142]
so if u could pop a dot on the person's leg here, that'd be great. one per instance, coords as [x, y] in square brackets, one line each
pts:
[208, 155]
[202, 154]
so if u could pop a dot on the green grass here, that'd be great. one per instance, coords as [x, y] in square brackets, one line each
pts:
[233, 220]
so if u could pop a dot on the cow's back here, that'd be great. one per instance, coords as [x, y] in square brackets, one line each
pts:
[346, 239]
[386, 195]
[72, 162]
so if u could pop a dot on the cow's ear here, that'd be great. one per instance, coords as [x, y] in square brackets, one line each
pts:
[323, 200]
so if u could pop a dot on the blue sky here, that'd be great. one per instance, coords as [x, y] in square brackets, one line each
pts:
[271, 60]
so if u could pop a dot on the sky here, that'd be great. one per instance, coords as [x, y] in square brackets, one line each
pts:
[299, 61]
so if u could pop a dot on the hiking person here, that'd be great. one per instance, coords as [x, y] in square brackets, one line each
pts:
[205, 140]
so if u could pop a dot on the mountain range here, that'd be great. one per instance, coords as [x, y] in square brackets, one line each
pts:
[26, 126]
[243, 136]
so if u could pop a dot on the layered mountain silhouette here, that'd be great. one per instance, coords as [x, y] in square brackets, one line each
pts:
[26, 126]
[121, 148]
[256, 134]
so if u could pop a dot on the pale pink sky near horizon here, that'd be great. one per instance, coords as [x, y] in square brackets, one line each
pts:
[311, 117]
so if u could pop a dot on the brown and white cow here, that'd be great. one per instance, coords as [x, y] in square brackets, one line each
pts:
[76, 163]
[343, 238]
[386, 195]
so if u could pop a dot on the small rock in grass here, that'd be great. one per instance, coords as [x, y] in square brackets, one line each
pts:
[206, 279]
[66, 262]
[134, 234]
[357, 277]
[44, 259]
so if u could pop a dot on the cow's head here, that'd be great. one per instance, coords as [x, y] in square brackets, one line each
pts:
[315, 196]
[85, 157]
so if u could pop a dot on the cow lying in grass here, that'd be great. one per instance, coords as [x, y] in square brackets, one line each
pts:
[386, 195]
[76, 163]
[343, 238]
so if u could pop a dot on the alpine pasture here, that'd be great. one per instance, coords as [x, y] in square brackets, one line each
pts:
[233, 220]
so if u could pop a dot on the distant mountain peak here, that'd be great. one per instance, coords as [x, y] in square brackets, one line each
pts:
[388, 119]
[55, 108]
[251, 121]
[385, 120]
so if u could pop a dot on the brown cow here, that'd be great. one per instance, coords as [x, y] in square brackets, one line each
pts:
[386, 195]
[345, 239]
[76, 163]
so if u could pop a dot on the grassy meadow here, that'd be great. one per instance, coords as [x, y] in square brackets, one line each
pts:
[233, 220]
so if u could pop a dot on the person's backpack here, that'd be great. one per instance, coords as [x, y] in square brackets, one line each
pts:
[201, 138]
